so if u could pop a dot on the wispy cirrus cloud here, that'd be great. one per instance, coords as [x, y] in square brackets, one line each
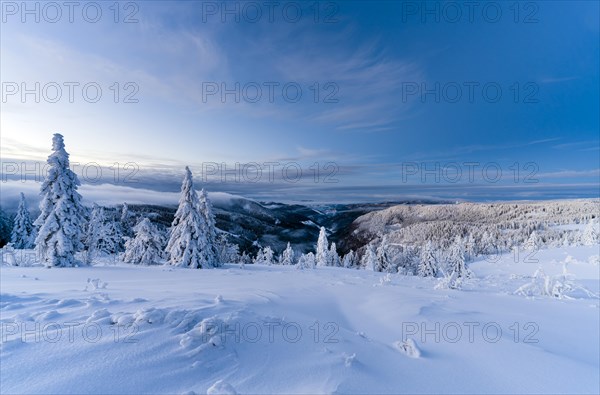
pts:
[578, 144]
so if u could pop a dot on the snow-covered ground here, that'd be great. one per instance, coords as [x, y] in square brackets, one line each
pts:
[273, 329]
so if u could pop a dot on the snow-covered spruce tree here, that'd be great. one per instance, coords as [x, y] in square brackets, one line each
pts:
[408, 260]
[287, 256]
[428, 265]
[259, 258]
[334, 258]
[590, 236]
[264, 256]
[369, 259]
[470, 248]
[23, 232]
[349, 260]
[228, 252]
[103, 236]
[113, 243]
[268, 255]
[306, 261]
[301, 264]
[322, 256]
[206, 209]
[245, 259]
[5, 228]
[95, 231]
[127, 222]
[533, 243]
[233, 254]
[188, 242]
[62, 218]
[488, 244]
[456, 267]
[384, 258]
[147, 247]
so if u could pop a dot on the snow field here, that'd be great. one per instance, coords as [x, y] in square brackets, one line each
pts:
[276, 329]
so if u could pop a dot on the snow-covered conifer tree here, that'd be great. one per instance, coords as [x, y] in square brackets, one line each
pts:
[408, 260]
[102, 235]
[62, 216]
[456, 264]
[533, 243]
[488, 244]
[369, 259]
[264, 256]
[113, 242]
[384, 258]
[188, 242]
[146, 247]
[349, 260]
[127, 221]
[259, 258]
[301, 264]
[23, 232]
[322, 256]
[233, 254]
[245, 259]
[94, 233]
[428, 265]
[268, 255]
[591, 233]
[334, 258]
[470, 248]
[306, 261]
[228, 252]
[287, 256]
[206, 209]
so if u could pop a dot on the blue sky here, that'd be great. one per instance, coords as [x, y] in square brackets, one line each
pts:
[367, 59]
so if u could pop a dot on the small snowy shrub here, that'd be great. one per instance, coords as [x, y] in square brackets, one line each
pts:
[387, 279]
[451, 281]
[349, 359]
[408, 347]
[561, 286]
[95, 283]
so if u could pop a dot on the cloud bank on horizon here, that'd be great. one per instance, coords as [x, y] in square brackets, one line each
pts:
[331, 101]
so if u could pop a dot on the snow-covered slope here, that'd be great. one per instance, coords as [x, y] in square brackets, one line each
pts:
[509, 223]
[273, 329]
